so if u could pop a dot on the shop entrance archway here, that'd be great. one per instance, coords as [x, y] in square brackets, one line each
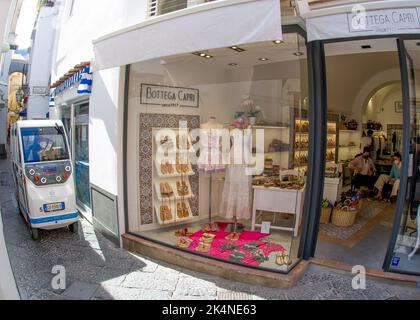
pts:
[393, 255]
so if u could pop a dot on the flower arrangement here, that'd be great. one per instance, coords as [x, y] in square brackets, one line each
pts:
[253, 111]
[240, 123]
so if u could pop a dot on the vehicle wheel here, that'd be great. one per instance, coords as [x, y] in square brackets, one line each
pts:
[34, 233]
[74, 227]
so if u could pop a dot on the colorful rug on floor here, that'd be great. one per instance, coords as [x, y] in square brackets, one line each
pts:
[248, 240]
[372, 213]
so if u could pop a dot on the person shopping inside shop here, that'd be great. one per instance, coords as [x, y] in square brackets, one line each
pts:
[391, 181]
[366, 140]
[364, 170]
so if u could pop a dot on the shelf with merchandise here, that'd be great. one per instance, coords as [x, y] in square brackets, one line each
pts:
[172, 169]
[166, 168]
[180, 211]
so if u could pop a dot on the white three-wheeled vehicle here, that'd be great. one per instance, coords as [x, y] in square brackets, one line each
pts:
[42, 170]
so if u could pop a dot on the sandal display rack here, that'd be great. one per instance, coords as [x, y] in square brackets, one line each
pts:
[172, 169]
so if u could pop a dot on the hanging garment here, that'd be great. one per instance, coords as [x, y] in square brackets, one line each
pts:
[394, 141]
[236, 199]
[237, 190]
[210, 160]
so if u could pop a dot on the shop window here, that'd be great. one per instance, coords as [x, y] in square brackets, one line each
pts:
[405, 256]
[65, 117]
[218, 152]
[81, 154]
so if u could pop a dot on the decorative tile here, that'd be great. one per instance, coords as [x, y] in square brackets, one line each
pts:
[147, 122]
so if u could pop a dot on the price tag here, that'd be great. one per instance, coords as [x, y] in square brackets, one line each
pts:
[265, 227]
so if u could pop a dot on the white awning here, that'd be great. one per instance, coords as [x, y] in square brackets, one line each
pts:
[212, 25]
[360, 22]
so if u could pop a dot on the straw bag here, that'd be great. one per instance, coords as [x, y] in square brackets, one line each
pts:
[325, 215]
[343, 218]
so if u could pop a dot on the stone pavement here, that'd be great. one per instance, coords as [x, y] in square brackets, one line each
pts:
[97, 269]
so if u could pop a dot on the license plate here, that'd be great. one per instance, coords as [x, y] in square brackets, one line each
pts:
[54, 206]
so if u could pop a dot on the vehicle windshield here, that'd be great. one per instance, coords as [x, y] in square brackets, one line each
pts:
[44, 144]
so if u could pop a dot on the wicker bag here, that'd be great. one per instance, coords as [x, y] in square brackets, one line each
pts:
[325, 215]
[361, 205]
[343, 218]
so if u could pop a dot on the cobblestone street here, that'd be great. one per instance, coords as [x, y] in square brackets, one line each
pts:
[97, 269]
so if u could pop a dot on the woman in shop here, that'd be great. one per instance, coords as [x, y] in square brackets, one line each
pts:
[393, 179]
[364, 169]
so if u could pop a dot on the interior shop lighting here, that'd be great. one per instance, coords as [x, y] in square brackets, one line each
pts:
[202, 55]
[237, 49]
[298, 54]
[263, 59]
[278, 41]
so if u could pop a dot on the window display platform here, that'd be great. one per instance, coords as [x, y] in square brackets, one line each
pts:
[199, 263]
[269, 244]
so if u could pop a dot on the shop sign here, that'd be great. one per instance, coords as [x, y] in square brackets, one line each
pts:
[384, 21]
[40, 91]
[167, 96]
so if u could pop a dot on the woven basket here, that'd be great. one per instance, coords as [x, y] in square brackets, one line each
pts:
[361, 205]
[341, 218]
[325, 215]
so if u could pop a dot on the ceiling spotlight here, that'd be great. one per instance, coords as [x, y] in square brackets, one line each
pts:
[263, 59]
[208, 56]
[278, 41]
[237, 49]
[202, 54]
[298, 54]
[196, 53]
[233, 64]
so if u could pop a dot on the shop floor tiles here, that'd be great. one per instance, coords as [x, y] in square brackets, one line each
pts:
[369, 251]
[374, 213]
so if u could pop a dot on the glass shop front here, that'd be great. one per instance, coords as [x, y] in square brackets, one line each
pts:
[219, 145]
[217, 148]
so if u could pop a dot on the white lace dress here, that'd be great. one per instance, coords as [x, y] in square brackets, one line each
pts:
[237, 190]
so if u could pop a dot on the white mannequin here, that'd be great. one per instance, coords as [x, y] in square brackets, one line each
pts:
[213, 149]
[211, 124]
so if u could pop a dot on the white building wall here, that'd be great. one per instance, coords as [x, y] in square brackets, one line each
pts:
[79, 22]
[40, 68]
[88, 20]
[8, 289]
[103, 129]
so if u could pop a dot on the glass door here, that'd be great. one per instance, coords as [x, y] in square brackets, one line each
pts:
[81, 155]
[404, 250]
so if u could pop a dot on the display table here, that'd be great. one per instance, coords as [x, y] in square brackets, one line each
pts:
[278, 200]
[332, 189]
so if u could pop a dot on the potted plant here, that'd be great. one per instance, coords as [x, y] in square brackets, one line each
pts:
[253, 111]
[253, 114]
